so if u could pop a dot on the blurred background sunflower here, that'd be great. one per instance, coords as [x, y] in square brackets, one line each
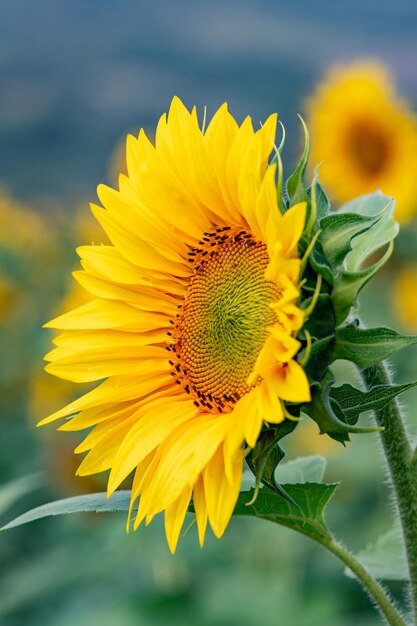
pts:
[364, 135]
[86, 75]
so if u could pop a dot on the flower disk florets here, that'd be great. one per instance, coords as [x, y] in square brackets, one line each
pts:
[223, 323]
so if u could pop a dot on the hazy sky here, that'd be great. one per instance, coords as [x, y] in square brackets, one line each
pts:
[76, 75]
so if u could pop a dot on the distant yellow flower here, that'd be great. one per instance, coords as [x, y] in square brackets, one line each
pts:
[193, 322]
[21, 228]
[44, 392]
[365, 136]
[8, 293]
[306, 440]
[85, 228]
[405, 296]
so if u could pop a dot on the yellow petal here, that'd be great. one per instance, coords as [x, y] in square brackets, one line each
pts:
[269, 405]
[77, 340]
[135, 249]
[146, 300]
[154, 423]
[291, 383]
[91, 417]
[111, 391]
[293, 222]
[90, 365]
[106, 261]
[99, 314]
[174, 518]
[184, 457]
[199, 500]
[221, 496]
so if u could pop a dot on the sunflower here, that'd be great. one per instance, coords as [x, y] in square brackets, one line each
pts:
[193, 320]
[364, 135]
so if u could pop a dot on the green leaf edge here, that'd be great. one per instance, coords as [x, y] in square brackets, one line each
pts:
[88, 503]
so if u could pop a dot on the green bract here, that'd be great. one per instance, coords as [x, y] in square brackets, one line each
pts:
[345, 248]
[350, 246]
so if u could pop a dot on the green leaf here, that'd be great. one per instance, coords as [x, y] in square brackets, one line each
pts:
[12, 491]
[349, 284]
[304, 469]
[338, 230]
[326, 412]
[307, 518]
[385, 229]
[365, 245]
[385, 559]
[370, 204]
[353, 402]
[348, 239]
[295, 183]
[368, 346]
[94, 502]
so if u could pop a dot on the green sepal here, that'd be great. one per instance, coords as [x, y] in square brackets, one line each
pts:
[307, 518]
[368, 346]
[329, 416]
[346, 241]
[353, 401]
[321, 322]
[280, 184]
[266, 455]
[295, 184]
[318, 359]
[320, 325]
[276, 160]
[385, 229]
[338, 230]
[320, 264]
[358, 230]
[319, 200]
[348, 285]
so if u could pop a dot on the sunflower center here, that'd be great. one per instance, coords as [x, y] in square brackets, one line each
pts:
[369, 147]
[224, 318]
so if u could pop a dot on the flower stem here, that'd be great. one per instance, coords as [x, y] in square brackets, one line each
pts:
[399, 456]
[374, 589]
